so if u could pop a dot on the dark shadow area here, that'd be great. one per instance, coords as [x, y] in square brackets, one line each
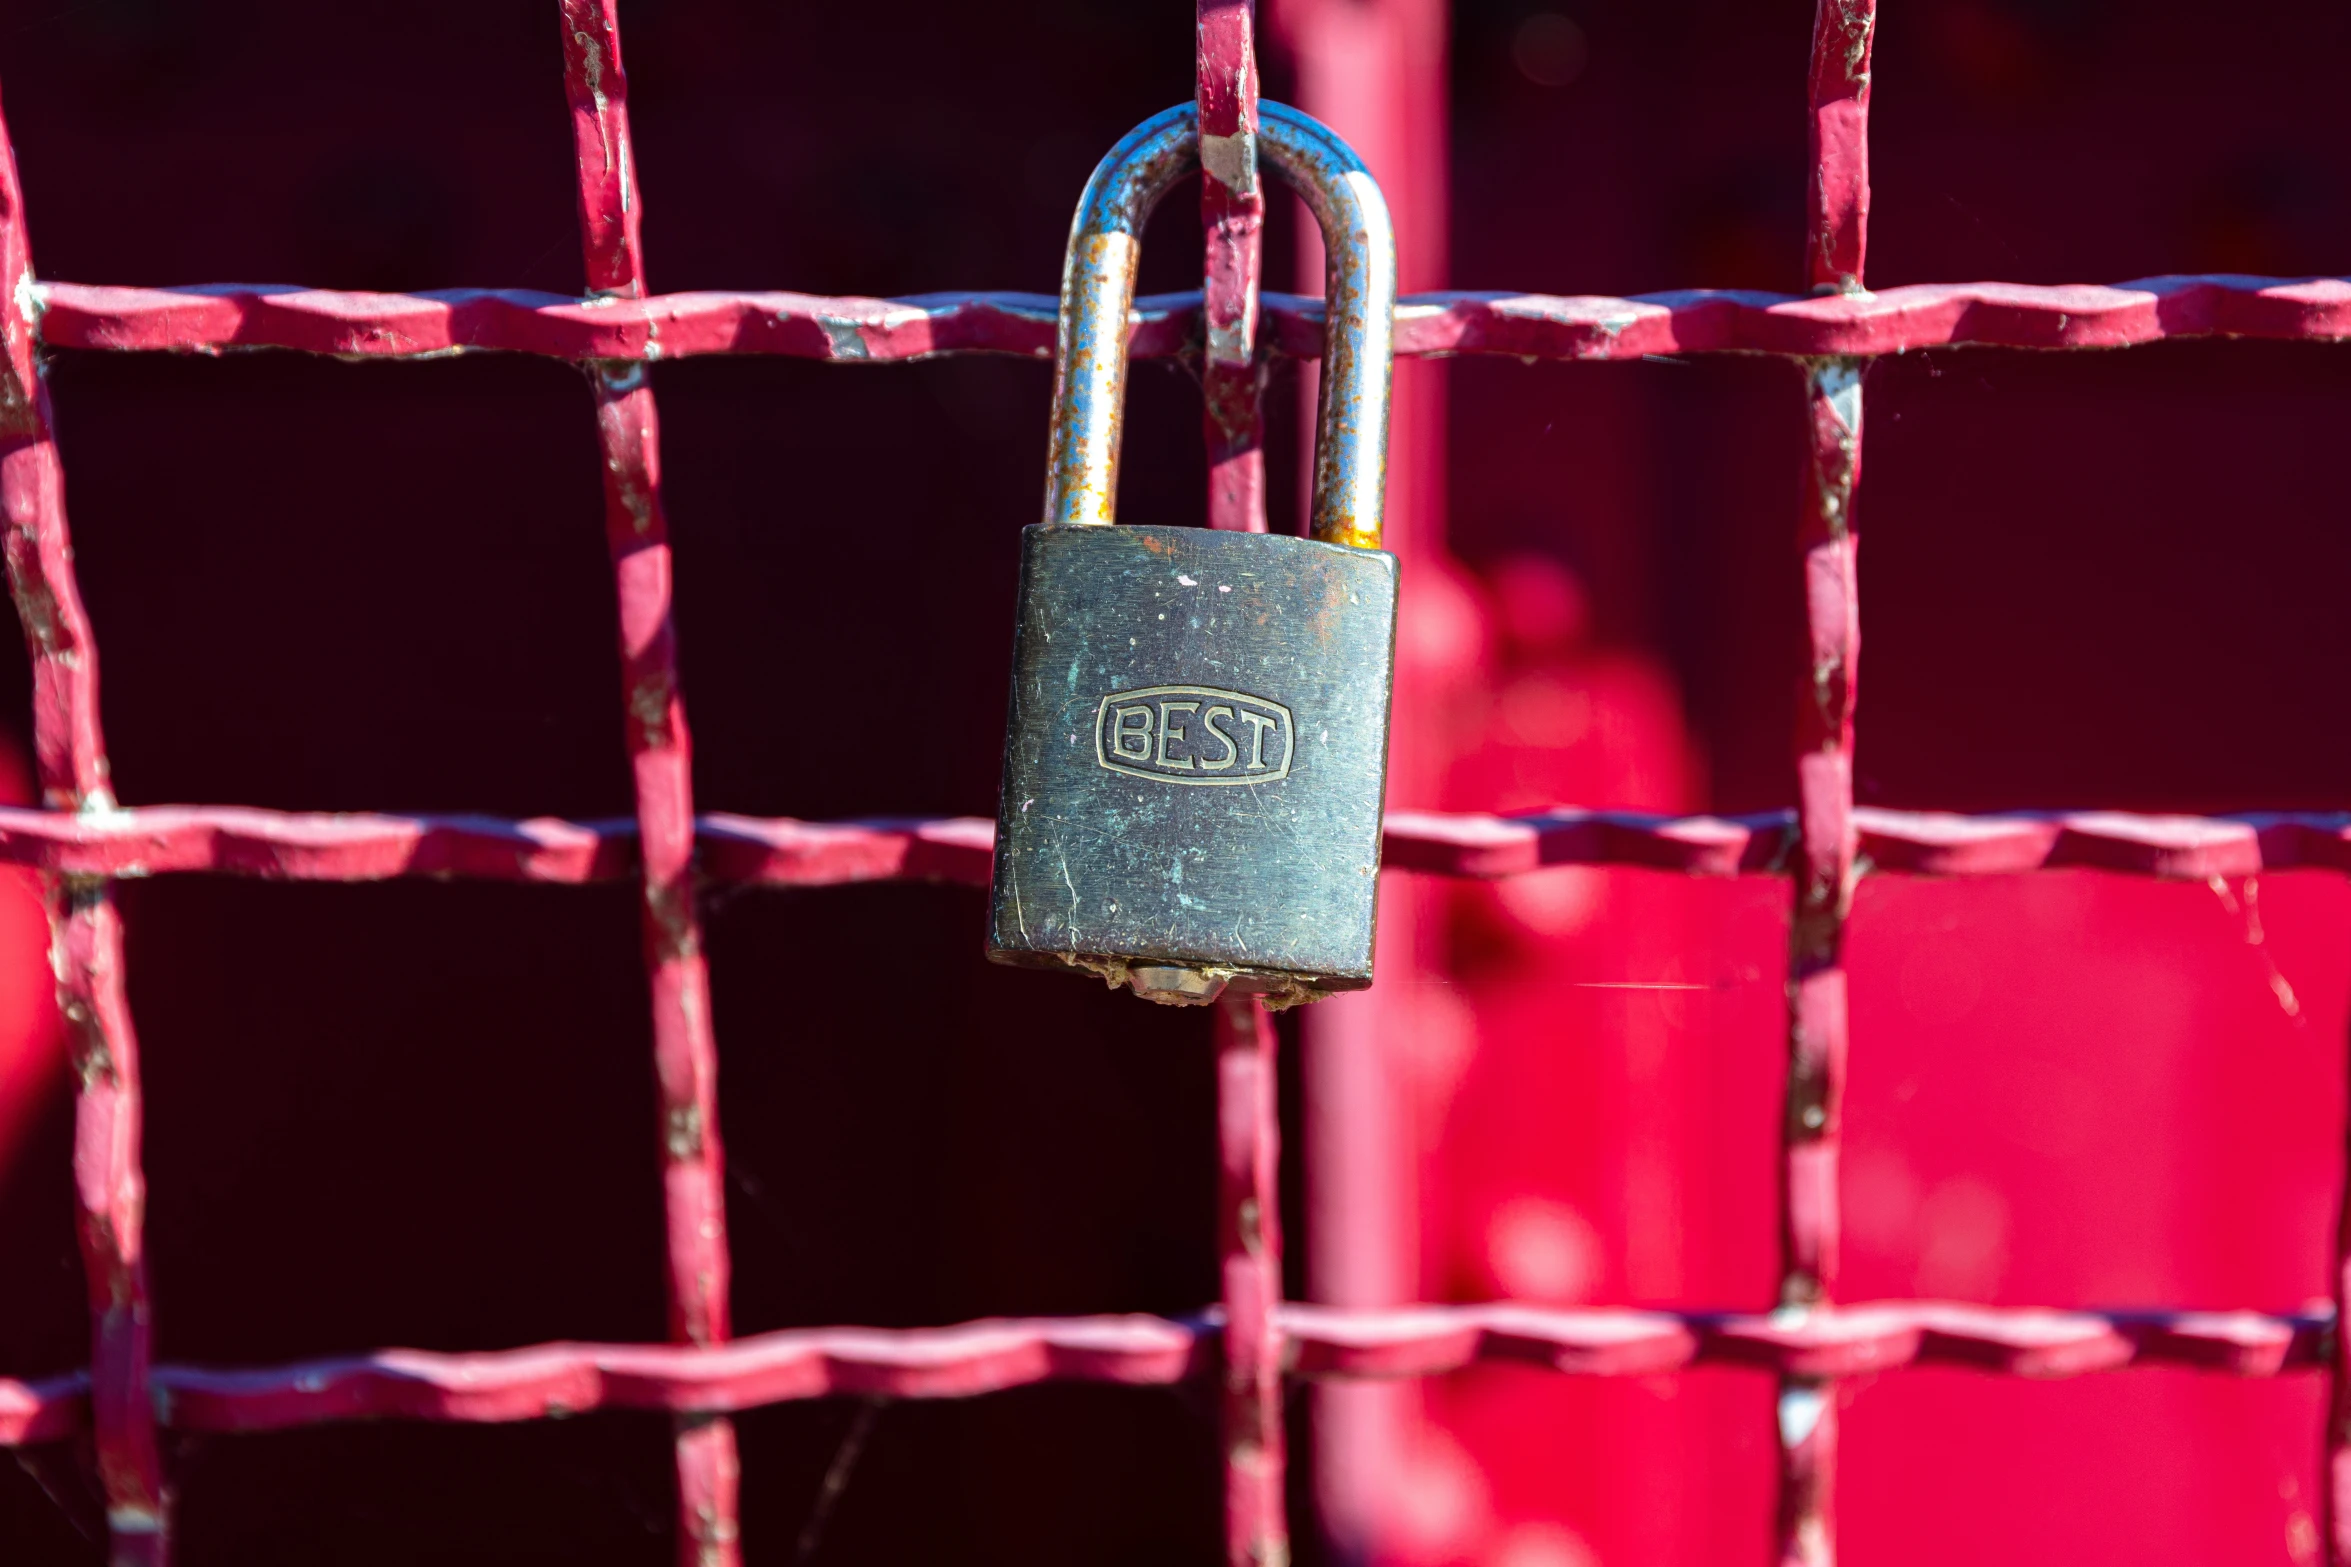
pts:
[1056, 1473]
[592, 1488]
[954, 1140]
[347, 587]
[402, 1114]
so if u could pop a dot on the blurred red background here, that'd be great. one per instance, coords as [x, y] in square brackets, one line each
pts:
[417, 1114]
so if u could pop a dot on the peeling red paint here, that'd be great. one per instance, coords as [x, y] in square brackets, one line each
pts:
[1842, 32]
[1828, 838]
[85, 929]
[685, 1046]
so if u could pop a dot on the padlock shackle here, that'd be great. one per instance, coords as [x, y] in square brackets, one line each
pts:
[1098, 296]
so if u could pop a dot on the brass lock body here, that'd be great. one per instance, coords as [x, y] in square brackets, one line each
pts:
[1196, 750]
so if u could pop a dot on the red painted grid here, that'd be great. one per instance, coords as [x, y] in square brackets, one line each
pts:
[82, 841]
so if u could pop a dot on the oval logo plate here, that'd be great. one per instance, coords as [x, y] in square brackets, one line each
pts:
[1194, 735]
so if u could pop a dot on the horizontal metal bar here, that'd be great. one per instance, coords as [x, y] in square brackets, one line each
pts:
[240, 840]
[1825, 1342]
[550, 1380]
[780, 851]
[211, 318]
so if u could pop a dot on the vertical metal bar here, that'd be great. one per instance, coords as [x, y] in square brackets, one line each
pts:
[1838, 221]
[1838, 206]
[1232, 210]
[86, 931]
[1249, 1234]
[1827, 837]
[685, 1050]
[110, 1189]
[1817, 1037]
[611, 220]
[1232, 383]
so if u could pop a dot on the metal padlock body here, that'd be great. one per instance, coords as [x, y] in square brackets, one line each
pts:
[1193, 778]
[1196, 746]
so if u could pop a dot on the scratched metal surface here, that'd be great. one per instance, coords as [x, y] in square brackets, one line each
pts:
[1157, 864]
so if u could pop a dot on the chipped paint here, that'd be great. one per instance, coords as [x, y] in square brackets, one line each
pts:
[845, 337]
[1231, 161]
[1838, 220]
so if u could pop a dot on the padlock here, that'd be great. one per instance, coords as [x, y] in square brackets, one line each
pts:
[1196, 752]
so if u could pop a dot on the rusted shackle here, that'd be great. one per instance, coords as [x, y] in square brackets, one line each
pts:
[1098, 294]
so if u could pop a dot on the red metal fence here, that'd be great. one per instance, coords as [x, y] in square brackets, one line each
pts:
[82, 840]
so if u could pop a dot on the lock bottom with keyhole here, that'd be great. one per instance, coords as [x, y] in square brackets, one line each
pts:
[1195, 761]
